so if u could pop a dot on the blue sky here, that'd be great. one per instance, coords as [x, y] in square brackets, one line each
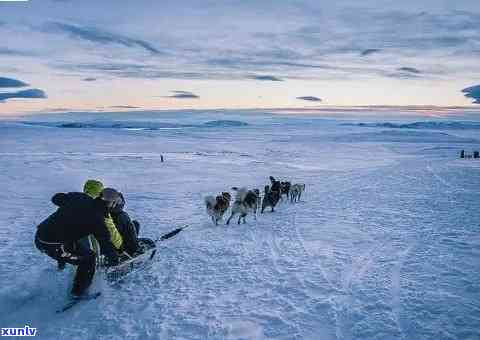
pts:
[93, 55]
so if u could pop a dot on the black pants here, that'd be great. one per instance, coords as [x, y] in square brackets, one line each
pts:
[137, 227]
[75, 254]
[129, 233]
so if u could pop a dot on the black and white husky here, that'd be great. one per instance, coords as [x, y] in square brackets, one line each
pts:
[270, 198]
[217, 206]
[296, 192]
[246, 201]
[285, 190]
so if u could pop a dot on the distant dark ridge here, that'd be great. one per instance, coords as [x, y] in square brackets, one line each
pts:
[448, 125]
[138, 125]
[106, 125]
[77, 125]
[404, 137]
[224, 123]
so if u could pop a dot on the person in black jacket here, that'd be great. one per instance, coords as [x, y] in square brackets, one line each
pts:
[126, 227]
[78, 215]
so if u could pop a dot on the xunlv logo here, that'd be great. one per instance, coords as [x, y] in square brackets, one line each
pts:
[24, 331]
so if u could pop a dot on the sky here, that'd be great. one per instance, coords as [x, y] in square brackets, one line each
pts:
[64, 55]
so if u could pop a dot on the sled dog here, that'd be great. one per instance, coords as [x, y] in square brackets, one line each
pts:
[217, 206]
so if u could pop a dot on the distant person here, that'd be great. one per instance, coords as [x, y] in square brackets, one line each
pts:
[78, 216]
[462, 154]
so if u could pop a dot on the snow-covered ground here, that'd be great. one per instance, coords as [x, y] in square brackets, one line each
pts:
[385, 243]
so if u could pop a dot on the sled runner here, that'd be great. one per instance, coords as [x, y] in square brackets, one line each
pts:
[132, 265]
[74, 301]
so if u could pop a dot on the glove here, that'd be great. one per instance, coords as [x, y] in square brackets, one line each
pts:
[110, 262]
[139, 251]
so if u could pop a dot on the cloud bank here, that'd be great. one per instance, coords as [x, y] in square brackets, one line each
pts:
[409, 70]
[266, 78]
[473, 92]
[10, 82]
[183, 95]
[310, 98]
[99, 36]
[32, 93]
[369, 51]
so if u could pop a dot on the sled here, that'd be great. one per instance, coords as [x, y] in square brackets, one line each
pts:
[131, 265]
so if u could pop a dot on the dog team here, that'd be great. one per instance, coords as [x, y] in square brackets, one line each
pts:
[249, 201]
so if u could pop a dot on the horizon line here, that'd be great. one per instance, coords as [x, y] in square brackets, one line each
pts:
[323, 108]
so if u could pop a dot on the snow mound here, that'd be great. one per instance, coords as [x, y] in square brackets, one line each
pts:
[444, 125]
[404, 137]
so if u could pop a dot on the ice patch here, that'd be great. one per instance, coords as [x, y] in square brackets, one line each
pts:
[244, 329]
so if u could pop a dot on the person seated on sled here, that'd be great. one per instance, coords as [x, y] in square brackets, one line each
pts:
[78, 216]
[126, 227]
[94, 188]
